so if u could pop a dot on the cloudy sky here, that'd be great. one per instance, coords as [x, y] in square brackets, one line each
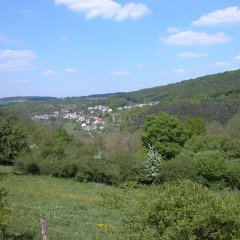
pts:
[80, 47]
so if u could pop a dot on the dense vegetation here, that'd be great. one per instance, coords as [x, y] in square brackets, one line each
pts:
[189, 143]
[188, 149]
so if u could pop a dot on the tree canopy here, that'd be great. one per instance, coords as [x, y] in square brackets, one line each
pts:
[166, 133]
[13, 140]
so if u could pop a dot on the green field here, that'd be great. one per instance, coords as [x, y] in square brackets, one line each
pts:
[73, 210]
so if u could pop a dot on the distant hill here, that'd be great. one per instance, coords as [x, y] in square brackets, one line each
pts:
[12, 100]
[216, 86]
[213, 97]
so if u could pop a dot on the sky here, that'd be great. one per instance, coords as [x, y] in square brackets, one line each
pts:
[71, 48]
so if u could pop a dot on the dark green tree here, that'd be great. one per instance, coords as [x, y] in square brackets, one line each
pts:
[13, 140]
[165, 133]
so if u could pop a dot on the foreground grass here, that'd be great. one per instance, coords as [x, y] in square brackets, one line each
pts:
[73, 210]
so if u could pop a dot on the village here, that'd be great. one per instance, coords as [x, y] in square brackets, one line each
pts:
[91, 120]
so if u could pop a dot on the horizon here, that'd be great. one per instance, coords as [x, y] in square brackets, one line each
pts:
[61, 48]
[95, 94]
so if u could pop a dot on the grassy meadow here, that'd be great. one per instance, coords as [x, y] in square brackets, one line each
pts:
[73, 210]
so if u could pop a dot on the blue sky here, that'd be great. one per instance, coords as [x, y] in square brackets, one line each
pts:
[80, 47]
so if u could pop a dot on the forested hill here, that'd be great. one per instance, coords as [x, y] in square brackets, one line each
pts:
[12, 100]
[217, 86]
[212, 97]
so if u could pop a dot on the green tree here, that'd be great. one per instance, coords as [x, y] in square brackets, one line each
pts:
[13, 140]
[165, 133]
[196, 126]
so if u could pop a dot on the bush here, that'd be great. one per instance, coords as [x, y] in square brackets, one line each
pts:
[66, 169]
[229, 147]
[182, 167]
[186, 210]
[4, 210]
[233, 175]
[210, 165]
[196, 126]
[233, 126]
[92, 174]
[150, 168]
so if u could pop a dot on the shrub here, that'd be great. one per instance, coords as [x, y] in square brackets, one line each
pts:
[210, 165]
[181, 167]
[233, 175]
[228, 146]
[150, 169]
[92, 174]
[4, 210]
[66, 169]
[186, 210]
[233, 126]
[196, 126]
[215, 128]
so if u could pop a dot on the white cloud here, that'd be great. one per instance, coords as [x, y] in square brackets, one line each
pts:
[50, 72]
[198, 38]
[120, 73]
[191, 55]
[6, 40]
[16, 60]
[106, 9]
[222, 64]
[70, 70]
[17, 54]
[173, 30]
[237, 58]
[230, 15]
[141, 65]
[180, 70]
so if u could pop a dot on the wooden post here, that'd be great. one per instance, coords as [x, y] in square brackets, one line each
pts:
[43, 226]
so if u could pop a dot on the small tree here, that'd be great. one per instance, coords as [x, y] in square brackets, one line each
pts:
[13, 140]
[151, 166]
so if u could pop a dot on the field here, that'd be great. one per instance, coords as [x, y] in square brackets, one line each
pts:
[73, 210]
